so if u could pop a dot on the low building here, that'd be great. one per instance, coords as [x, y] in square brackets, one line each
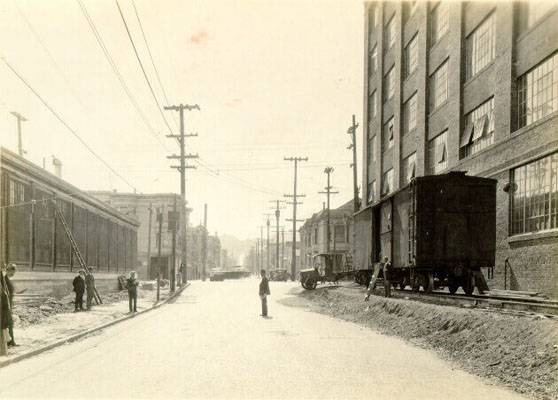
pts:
[34, 237]
[313, 233]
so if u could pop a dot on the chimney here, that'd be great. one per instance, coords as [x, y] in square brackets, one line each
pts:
[57, 167]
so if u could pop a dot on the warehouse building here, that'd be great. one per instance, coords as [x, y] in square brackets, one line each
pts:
[34, 238]
[469, 86]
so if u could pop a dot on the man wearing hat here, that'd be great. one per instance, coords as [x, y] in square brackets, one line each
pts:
[90, 287]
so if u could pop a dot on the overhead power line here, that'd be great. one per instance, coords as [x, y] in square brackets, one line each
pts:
[142, 68]
[118, 75]
[61, 120]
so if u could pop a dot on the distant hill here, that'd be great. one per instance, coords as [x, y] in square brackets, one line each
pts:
[235, 247]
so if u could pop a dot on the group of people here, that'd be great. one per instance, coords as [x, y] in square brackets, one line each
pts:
[84, 283]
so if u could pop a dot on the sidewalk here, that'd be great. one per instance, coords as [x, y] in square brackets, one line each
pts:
[62, 326]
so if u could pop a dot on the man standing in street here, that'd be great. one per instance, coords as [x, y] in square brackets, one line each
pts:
[132, 285]
[264, 292]
[90, 288]
[10, 272]
[79, 289]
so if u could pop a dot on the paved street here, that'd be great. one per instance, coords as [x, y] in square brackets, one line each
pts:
[211, 343]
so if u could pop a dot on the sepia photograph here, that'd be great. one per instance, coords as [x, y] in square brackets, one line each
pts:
[279, 199]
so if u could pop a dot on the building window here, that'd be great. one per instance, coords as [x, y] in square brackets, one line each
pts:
[339, 233]
[372, 105]
[438, 153]
[315, 235]
[387, 182]
[479, 129]
[481, 46]
[534, 196]
[533, 11]
[409, 166]
[538, 91]
[410, 114]
[17, 192]
[439, 21]
[373, 60]
[371, 191]
[390, 33]
[411, 56]
[439, 86]
[387, 143]
[390, 83]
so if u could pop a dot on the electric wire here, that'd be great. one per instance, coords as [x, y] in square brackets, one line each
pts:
[118, 75]
[142, 68]
[68, 127]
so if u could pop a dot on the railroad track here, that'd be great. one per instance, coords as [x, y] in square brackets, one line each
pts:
[501, 302]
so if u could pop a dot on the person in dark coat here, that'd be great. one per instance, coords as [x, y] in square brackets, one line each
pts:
[10, 272]
[90, 288]
[264, 292]
[5, 313]
[132, 285]
[79, 288]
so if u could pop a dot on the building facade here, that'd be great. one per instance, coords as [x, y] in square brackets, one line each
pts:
[146, 208]
[470, 86]
[33, 236]
[313, 233]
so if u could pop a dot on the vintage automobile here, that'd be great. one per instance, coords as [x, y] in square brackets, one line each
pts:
[328, 267]
[216, 275]
[279, 275]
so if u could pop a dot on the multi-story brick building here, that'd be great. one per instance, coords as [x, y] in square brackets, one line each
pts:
[313, 233]
[468, 86]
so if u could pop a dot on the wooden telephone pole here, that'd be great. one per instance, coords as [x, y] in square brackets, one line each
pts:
[352, 131]
[295, 202]
[328, 192]
[20, 118]
[182, 168]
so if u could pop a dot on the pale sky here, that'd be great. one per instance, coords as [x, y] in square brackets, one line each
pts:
[272, 78]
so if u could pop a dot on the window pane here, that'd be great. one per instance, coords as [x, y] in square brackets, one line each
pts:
[538, 91]
[411, 56]
[534, 196]
[481, 46]
[437, 154]
[439, 21]
[439, 86]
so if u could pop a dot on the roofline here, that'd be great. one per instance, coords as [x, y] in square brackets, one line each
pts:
[24, 166]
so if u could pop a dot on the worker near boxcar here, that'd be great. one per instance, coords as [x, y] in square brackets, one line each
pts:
[385, 267]
[10, 272]
[132, 284]
[90, 288]
[264, 292]
[79, 289]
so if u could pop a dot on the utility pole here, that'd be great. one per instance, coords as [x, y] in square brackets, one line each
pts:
[268, 224]
[182, 168]
[20, 118]
[262, 247]
[352, 131]
[160, 221]
[328, 192]
[173, 227]
[204, 243]
[277, 216]
[295, 202]
[149, 240]
[283, 248]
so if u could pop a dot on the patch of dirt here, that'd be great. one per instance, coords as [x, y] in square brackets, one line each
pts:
[520, 352]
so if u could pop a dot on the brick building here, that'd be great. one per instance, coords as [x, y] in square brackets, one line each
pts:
[313, 233]
[469, 86]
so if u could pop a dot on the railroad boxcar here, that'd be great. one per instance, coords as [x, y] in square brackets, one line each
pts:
[438, 231]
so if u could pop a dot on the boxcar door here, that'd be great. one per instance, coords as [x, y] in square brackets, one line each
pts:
[386, 229]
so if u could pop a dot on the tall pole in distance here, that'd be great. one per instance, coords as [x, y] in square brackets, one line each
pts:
[328, 192]
[262, 247]
[268, 223]
[20, 118]
[204, 243]
[182, 168]
[282, 248]
[173, 227]
[352, 131]
[149, 240]
[160, 221]
[295, 202]
[277, 216]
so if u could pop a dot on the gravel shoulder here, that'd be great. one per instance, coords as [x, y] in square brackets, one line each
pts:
[519, 352]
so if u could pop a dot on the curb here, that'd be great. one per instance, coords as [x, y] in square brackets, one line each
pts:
[92, 330]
